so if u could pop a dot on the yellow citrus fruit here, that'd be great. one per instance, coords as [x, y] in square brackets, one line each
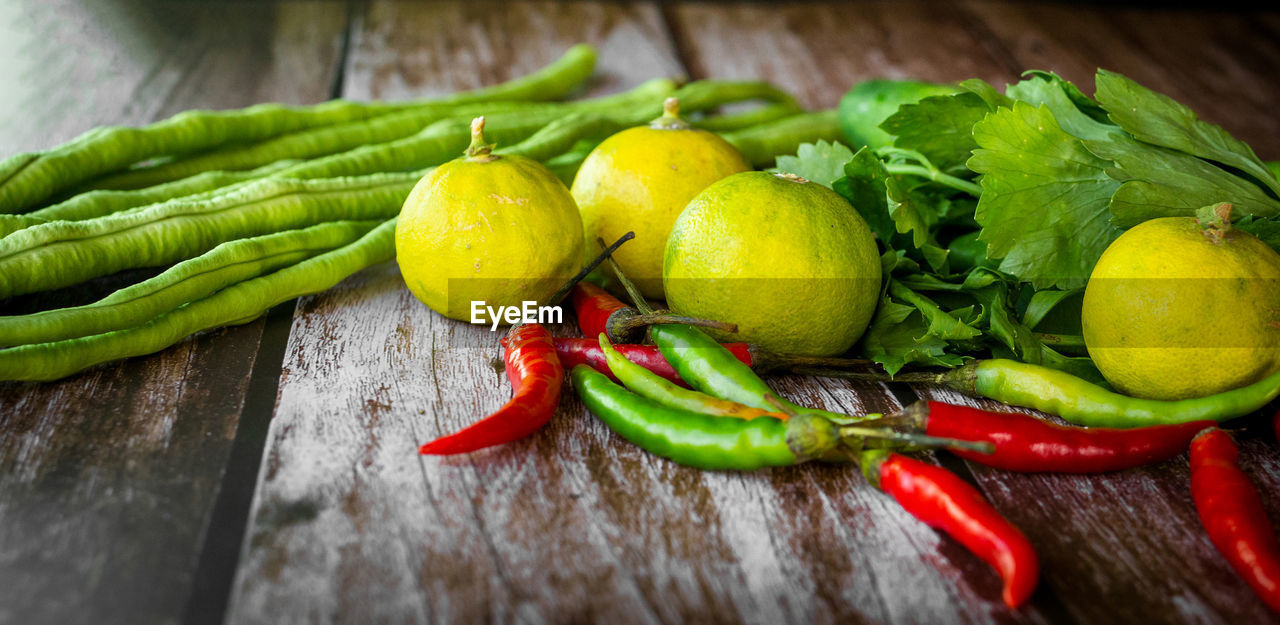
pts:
[789, 261]
[498, 229]
[639, 180]
[1177, 308]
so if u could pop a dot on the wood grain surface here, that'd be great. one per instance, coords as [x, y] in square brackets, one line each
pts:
[110, 480]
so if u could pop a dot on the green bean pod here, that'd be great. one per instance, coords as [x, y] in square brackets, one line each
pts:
[13, 223]
[760, 144]
[310, 143]
[1082, 403]
[91, 204]
[240, 303]
[444, 140]
[63, 253]
[225, 265]
[703, 95]
[742, 120]
[103, 202]
[26, 179]
[699, 440]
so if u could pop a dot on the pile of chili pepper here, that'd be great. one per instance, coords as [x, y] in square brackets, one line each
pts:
[700, 403]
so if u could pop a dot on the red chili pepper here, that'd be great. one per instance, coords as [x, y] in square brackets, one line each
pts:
[593, 307]
[1026, 443]
[536, 378]
[943, 501]
[1232, 514]
[587, 352]
[598, 311]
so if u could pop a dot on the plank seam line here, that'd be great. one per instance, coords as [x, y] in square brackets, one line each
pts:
[224, 536]
[344, 54]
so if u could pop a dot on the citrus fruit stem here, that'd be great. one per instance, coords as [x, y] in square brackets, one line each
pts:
[670, 119]
[479, 150]
[1214, 221]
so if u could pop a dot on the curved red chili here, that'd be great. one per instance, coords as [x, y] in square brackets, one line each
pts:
[593, 307]
[1232, 514]
[582, 351]
[943, 501]
[1026, 443]
[599, 312]
[536, 378]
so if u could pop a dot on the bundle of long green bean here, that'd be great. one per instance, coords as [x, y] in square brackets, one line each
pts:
[253, 207]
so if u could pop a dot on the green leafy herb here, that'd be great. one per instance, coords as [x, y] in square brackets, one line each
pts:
[1160, 120]
[939, 127]
[1044, 199]
[819, 162]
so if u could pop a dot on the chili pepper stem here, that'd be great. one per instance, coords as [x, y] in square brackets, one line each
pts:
[861, 432]
[637, 298]
[924, 440]
[961, 378]
[591, 266]
[656, 317]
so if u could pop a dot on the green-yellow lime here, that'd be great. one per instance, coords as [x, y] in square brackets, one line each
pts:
[639, 180]
[1179, 307]
[497, 229]
[789, 261]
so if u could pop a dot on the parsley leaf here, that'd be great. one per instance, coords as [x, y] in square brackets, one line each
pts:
[1159, 182]
[1160, 120]
[898, 336]
[1044, 205]
[940, 127]
[819, 162]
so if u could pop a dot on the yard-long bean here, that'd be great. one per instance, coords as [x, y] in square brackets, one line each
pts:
[107, 201]
[236, 304]
[59, 254]
[227, 264]
[760, 144]
[26, 179]
[431, 144]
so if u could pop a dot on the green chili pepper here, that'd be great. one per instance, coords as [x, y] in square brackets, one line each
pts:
[1080, 402]
[707, 366]
[652, 386]
[237, 304]
[710, 367]
[699, 440]
[221, 267]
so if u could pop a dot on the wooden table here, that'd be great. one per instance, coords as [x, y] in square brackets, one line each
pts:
[266, 473]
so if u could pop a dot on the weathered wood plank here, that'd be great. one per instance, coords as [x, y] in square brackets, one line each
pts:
[399, 50]
[108, 478]
[1218, 63]
[818, 50]
[77, 64]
